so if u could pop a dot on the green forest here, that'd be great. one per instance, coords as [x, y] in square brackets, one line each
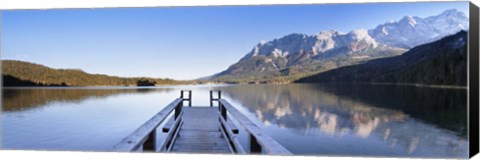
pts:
[443, 62]
[20, 73]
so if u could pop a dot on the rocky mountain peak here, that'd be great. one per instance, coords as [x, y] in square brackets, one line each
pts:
[301, 53]
[413, 31]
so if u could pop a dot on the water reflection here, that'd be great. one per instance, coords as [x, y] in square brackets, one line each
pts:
[392, 114]
[307, 119]
[19, 99]
[90, 119]
[303, 106]
[446, 108]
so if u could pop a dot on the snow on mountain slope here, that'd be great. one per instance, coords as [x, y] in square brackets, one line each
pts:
[300, 53]
[413, 31]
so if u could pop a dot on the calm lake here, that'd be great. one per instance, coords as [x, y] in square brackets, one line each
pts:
[341, 120]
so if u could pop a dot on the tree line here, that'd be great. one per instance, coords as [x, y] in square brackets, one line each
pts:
[20, 73]
[442, 62]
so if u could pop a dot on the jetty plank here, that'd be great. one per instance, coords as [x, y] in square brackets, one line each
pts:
[200, 132]
[200, 129]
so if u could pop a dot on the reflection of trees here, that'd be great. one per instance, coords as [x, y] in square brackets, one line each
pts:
[305, 103]
[381, 111]
[446, 108]
[302, 106]
[21, 99]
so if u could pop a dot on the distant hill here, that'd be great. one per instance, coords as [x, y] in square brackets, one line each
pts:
[443, 62]
[298, 55]
[20, 73]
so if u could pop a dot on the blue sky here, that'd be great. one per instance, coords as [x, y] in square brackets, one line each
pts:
[179, 42]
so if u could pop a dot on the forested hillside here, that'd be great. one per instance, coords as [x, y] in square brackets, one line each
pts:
[443, 62]
[296, 55]
[19, 73]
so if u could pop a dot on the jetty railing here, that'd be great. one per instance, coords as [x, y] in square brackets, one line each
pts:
[146, 135]
[259, 141]
[212, 99]
[189, 99]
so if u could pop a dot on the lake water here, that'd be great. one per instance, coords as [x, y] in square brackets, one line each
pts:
[340, 120]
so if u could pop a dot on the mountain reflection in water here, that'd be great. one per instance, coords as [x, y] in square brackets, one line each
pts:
[352, 120]
[397, 115]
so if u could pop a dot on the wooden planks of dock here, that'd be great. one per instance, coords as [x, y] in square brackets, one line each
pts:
[200, 132]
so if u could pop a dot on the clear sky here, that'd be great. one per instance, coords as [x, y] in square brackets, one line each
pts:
[179, 42]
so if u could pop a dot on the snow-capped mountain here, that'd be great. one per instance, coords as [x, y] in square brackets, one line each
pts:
[442, 62]
[315, 45]
[413, 31]
[300, 53]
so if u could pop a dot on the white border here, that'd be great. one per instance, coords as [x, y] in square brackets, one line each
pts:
[49, 4]
[69, 155]
[55, 4]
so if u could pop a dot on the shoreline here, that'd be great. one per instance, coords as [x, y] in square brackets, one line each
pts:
[166, 85]
[420, 85]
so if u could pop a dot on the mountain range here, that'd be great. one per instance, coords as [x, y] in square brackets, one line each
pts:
[442, 62]
[298, 55]
[429, 50]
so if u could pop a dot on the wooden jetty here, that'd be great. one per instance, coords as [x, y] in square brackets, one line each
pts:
[200, 129]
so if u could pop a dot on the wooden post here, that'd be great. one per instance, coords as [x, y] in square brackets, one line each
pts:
[178, 110]
[211, 98]
[151, 142]
[215, 99]
[181, 95]
[223, 111]
[220, 107]
[219, 97]
[190, 98]
[254, 146]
